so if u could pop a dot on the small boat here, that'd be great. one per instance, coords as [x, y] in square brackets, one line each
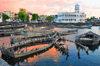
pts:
[88, 38]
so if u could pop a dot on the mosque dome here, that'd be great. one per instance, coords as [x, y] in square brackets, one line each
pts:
[77, 4]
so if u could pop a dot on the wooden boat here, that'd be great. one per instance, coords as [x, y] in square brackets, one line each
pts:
[88, 38]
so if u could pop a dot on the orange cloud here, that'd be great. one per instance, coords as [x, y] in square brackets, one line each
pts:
[51, 6]
[38, 6]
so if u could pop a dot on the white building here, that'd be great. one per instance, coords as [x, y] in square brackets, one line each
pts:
[71, 17]
[1, 19]
[7, 13]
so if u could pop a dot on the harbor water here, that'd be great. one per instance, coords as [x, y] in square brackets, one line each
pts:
[54, 57]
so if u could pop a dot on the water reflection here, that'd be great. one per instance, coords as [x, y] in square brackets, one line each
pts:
[93, 47]
[34, 58]
[4, 40]
[62, 47]
[72, 54]
[30, 48]
[94, 29]
[78, 51]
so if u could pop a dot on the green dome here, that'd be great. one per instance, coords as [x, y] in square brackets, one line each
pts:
[77, 4]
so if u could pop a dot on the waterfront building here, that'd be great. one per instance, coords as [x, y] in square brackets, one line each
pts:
[96, 20]
[43, 17]
[10, 14]
[7, 13]
[1, 19]
[55, 18]
[29, 17]
[72, 17]
[16, 16]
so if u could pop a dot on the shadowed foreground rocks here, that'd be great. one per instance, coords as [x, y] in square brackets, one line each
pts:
[3, 63]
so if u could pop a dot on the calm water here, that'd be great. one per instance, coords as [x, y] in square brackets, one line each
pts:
[53, 57]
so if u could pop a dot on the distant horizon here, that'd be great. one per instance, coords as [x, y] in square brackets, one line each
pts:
[52, 7]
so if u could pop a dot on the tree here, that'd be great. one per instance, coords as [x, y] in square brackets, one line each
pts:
[5, 17]
[88, 19]
[50, 18]
[22, 14]
[35, 16]
[91, 18]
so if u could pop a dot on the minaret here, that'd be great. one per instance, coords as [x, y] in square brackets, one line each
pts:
[77, 8]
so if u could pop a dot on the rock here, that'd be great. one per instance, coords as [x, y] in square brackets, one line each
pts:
[3, 63]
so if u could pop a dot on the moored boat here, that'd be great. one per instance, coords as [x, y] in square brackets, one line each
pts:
[88, 38]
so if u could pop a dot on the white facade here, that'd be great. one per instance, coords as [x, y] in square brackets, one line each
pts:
[7, 13]
[71, 17]
[1, 17]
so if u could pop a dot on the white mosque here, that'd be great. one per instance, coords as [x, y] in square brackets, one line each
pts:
[72, 17]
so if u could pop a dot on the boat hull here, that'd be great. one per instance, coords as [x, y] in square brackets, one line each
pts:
[87, 42]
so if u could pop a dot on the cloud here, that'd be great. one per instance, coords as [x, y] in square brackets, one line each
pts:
[39, 6]
[50, 6]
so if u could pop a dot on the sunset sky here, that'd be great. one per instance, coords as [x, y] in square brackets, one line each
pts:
[90, 7]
